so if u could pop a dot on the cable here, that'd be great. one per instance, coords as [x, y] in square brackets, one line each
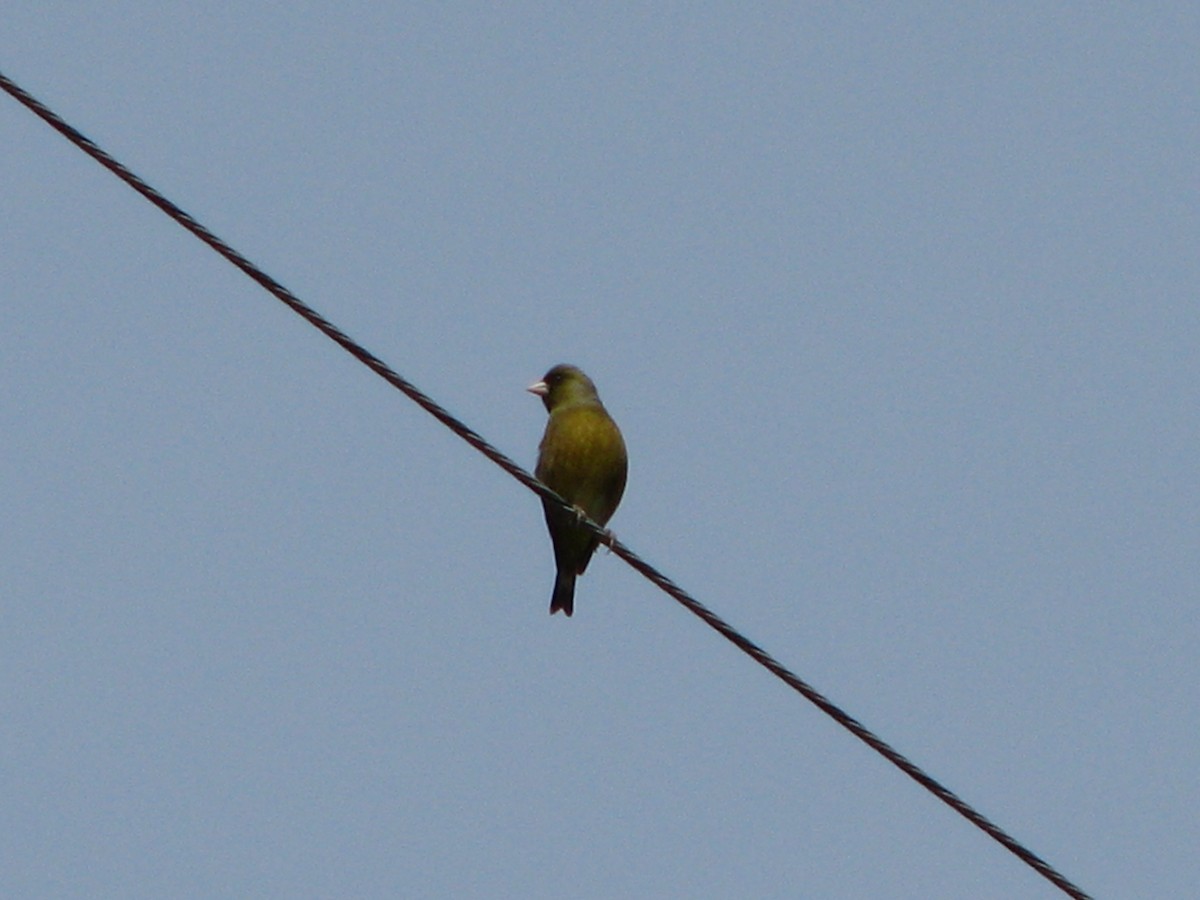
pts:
[376, 365]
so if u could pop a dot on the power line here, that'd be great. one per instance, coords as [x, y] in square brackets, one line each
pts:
[376, 365]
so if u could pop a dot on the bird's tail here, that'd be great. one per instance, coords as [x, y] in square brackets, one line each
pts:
[564, 593]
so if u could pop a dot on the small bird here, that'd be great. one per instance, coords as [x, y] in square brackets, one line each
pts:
[582, 458]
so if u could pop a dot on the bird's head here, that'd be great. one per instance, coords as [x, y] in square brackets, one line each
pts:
[564, 385]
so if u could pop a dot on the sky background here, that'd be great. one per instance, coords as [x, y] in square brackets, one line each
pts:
[896, 306]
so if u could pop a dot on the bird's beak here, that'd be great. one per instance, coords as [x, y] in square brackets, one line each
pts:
[540, 388]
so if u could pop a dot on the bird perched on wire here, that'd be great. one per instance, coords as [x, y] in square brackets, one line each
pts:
[582, 459]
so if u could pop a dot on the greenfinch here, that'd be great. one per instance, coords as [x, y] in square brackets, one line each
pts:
[582, 459]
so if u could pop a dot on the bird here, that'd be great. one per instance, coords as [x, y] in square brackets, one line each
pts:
[581, 458]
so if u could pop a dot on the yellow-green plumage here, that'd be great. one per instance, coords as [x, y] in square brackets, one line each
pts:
[582, 458]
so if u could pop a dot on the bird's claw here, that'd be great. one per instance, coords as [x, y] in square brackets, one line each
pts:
[606, 537]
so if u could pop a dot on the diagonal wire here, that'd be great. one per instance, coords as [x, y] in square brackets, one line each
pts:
[376, 365]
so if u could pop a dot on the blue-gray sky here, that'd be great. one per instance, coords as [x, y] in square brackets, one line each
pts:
[896, 306]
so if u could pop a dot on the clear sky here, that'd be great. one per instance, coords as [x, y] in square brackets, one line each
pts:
[895, 304]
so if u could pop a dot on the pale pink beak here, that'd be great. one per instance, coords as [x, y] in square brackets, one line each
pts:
[540, 388]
